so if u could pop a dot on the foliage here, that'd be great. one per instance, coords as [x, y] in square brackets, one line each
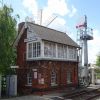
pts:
[7, 35]
[97, 70]
[98, 60]
[98, 75]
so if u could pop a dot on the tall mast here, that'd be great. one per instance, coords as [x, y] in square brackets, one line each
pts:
[85, 47]
[85, 34]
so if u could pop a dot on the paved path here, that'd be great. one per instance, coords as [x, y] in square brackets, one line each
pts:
[48, 96]
[29, 97]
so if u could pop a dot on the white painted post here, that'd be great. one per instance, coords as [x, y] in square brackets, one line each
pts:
[42, 48]
[67, 53]
[0, 86]
[56, 50]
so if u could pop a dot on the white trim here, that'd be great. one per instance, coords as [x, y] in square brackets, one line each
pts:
[56, 50]
[28, 85]
[71, 54]
[14, 67]
[34, 69]
[54, 84]
[32, 49]
[26, 51]
[50, 58]
[42, 48]
[42, 56]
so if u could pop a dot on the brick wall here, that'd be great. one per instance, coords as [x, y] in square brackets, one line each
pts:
[44, 68]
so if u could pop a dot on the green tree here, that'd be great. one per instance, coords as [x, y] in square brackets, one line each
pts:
[98, 60]
[7, 35]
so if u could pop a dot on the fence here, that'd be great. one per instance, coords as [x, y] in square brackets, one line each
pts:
[8, 85]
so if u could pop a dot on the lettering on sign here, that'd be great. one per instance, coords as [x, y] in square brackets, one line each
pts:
[31, 39]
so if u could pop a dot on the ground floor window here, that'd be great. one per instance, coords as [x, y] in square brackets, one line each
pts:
[29, 78]
[53, 78]
[69, 77]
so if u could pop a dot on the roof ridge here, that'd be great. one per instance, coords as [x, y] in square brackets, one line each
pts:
[47, 27]
[51, 34]
[63, 33]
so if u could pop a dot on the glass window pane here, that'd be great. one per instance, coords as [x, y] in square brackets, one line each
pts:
[30, 50]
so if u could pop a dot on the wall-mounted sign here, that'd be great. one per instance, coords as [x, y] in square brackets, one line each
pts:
[31, 39]
[14, 66]
[35, 75]
[34, 69]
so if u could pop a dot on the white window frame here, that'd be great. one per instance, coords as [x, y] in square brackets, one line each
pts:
[53, 51]
[69, 77]
[72, 53]
[50, 49]
[53, 78]
[36, 51]
[29, 50]
[29, 79]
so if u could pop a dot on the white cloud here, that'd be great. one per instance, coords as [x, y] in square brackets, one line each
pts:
[73, 11]
[54, 7]
[59, 24]
[50, 11]
[31, 5]
[94, 46]
[58, 6]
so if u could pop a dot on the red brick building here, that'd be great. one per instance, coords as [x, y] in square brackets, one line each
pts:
[47, 58]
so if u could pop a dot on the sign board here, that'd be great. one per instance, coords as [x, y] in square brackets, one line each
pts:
[34, 69]
[35, 75]
[31, 35]
[14, 66]
[31, 39]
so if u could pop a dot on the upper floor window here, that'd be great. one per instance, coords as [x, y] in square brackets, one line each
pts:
[62, 51]
[49, 49]
[72, 53]
[34, 49]
[30, 50]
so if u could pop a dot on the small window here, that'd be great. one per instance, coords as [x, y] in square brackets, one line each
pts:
[53, 77]
[29, 79]
[69, 77]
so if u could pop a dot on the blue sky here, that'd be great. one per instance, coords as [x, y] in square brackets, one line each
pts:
[68, 13]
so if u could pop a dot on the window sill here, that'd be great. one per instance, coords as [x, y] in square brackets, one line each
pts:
[29, 85]
[54, 84]
[69, 82]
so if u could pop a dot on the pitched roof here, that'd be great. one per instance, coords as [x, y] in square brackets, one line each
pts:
[52, 35]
